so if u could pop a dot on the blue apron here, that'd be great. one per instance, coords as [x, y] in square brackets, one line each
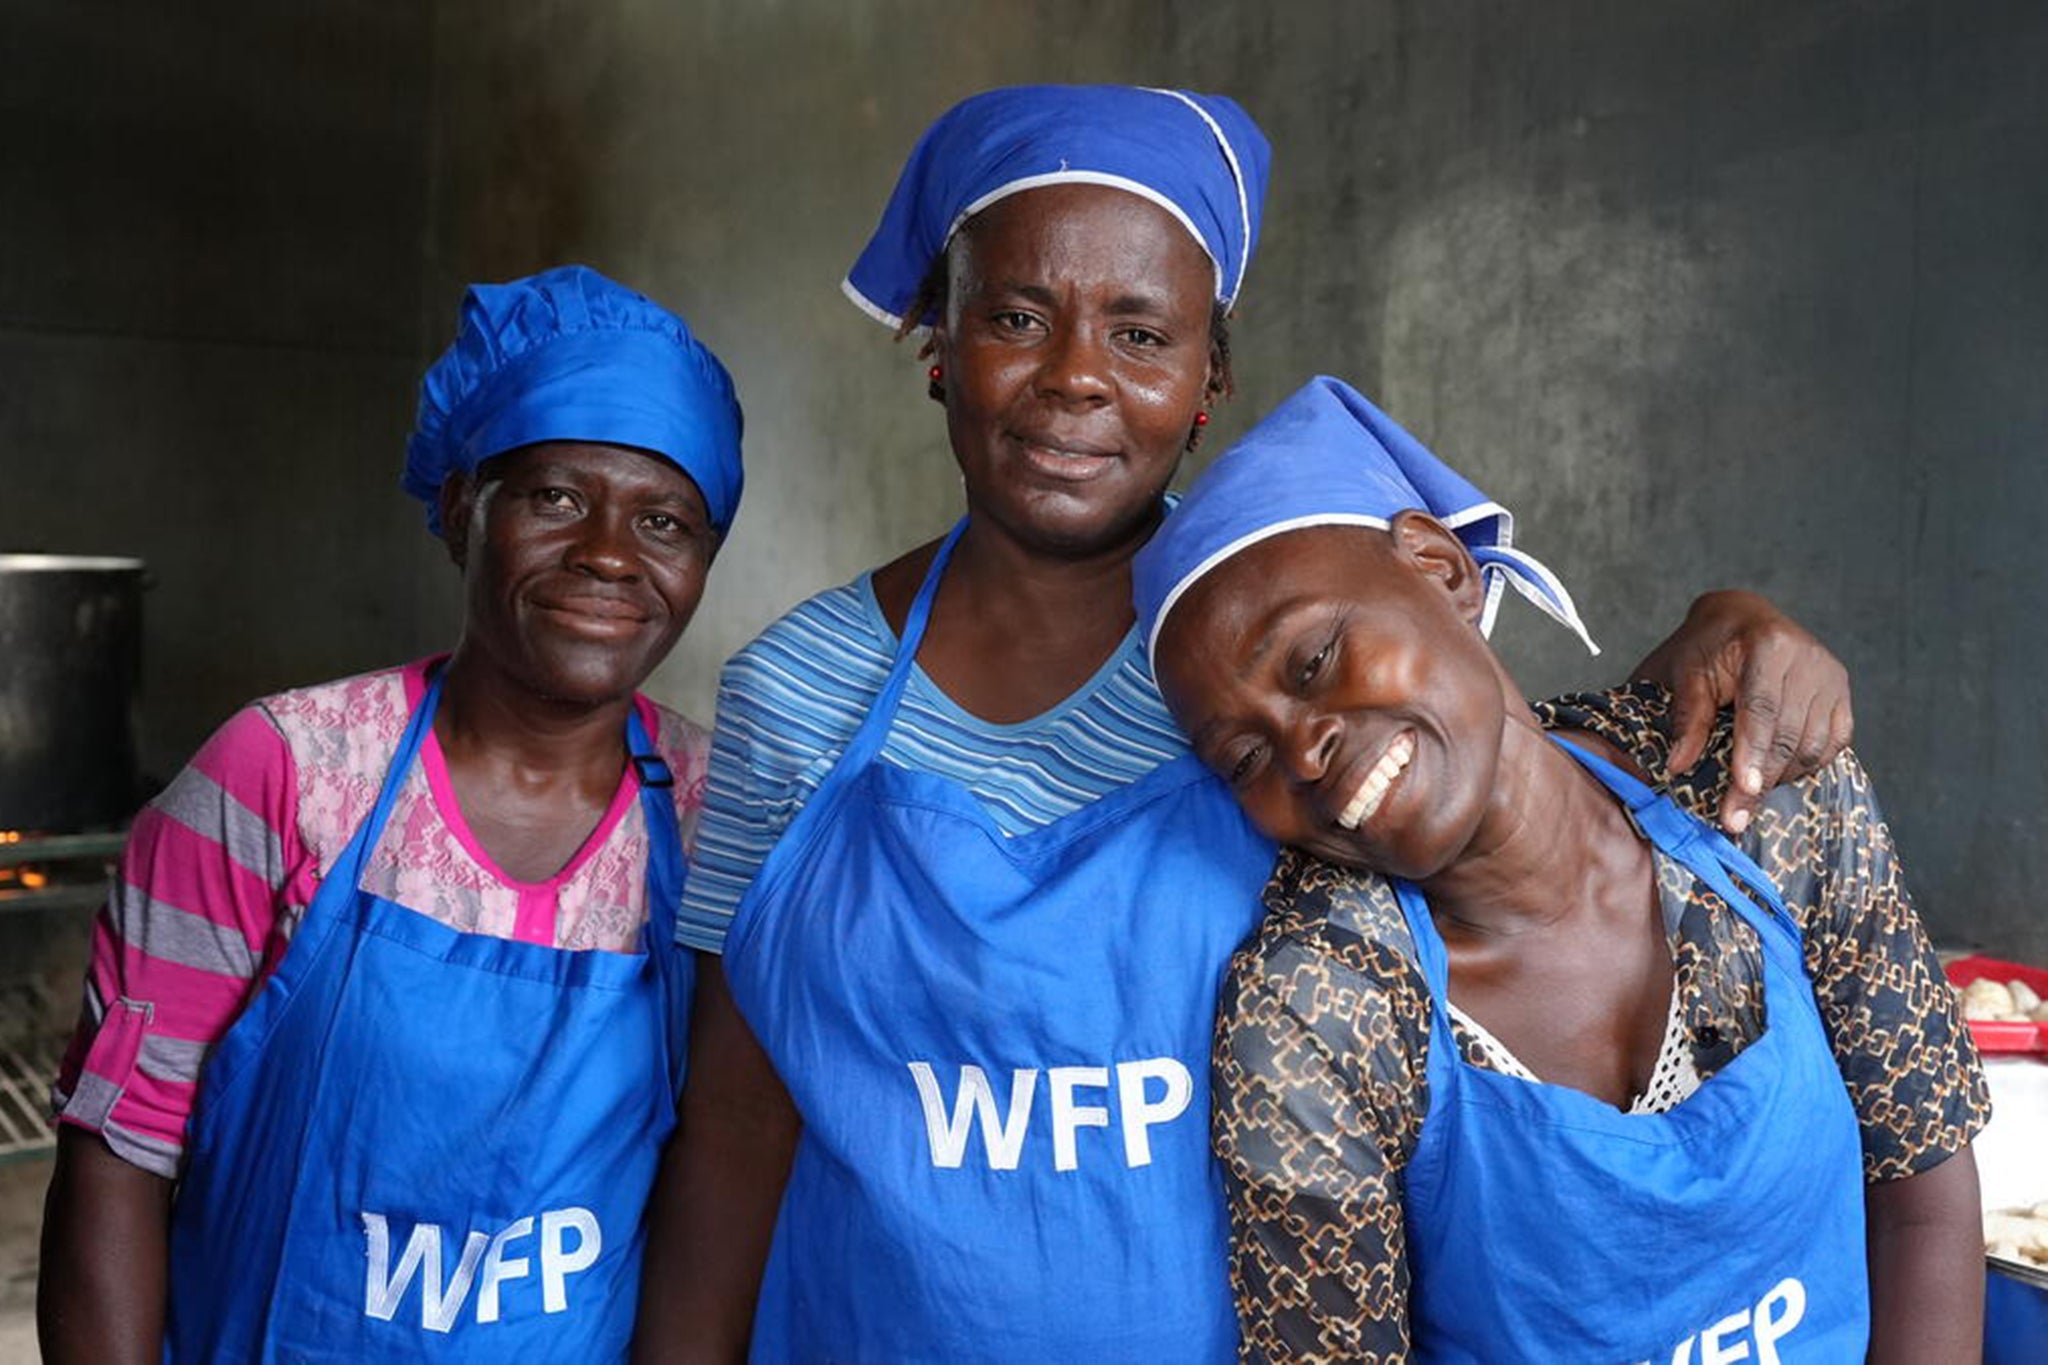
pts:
[419, 1144]
[1544, 1224]
[1000, 1049]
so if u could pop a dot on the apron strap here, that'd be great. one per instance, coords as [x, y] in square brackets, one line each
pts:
[1705, 852]
[667, 865]
[874, 729]
[1434, 959]
[1695, 844]
[349, 866]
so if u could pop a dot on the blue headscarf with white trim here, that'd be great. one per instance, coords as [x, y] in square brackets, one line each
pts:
[1328, 457]
[569, 355]
[1199, 157]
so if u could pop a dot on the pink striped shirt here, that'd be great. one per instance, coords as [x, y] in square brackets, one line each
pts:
[220, 866]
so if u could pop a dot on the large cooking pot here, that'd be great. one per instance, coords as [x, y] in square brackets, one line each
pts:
[70, 657]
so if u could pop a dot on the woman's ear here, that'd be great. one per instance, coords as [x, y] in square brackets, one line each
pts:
[458, 505]
[1435, 552]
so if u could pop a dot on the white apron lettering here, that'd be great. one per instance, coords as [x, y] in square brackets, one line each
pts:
[1149, 1092]
[1725, 1343]
[486, 1263]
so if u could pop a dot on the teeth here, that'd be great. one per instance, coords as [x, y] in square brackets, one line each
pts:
[1373, 790]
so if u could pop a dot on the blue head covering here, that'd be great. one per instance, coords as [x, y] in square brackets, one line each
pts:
[1199, 157]
[568, 355]
[1327, 457]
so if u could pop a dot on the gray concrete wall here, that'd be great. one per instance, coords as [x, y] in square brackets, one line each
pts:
[1710, 292]
[211, 229]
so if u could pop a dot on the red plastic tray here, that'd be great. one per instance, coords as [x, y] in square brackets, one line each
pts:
[1994, 1035]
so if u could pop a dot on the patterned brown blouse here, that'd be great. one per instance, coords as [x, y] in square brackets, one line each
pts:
[1323, 1037]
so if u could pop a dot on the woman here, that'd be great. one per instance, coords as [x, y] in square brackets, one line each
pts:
[974, 895]
[399, 946]
[1752, 1123]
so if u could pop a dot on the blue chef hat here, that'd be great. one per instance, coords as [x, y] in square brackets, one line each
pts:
[568, 355]
[1199, 157]
[1327, 457]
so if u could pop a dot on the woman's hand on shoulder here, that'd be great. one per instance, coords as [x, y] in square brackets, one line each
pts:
[1791, 696]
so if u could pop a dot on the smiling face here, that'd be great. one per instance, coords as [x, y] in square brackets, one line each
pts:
[581, 565]
[1334, 678]
[1076, 351]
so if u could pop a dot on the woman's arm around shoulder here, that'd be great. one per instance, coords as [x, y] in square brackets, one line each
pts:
[1791, 696]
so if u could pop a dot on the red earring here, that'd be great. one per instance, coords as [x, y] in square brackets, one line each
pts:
[1201, 418]
[936, 373]
[935, 388]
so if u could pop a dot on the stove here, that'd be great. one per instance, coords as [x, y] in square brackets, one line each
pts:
[49, 886]
[56, 871]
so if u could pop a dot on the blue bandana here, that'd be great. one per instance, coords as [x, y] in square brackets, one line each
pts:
[568, 355]
[1327, 457]
[1199, 157]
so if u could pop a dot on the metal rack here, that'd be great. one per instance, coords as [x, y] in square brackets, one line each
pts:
[40, 873]
[28, 1062]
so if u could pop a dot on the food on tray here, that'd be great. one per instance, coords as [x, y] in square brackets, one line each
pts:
[2018, 1235]
[2002, 1001]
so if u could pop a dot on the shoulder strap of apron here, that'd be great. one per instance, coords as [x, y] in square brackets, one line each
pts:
[1434, 960]
[1706, 852]
[1693, 842]
[667, 864]
[867, 741]
[349, 866]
